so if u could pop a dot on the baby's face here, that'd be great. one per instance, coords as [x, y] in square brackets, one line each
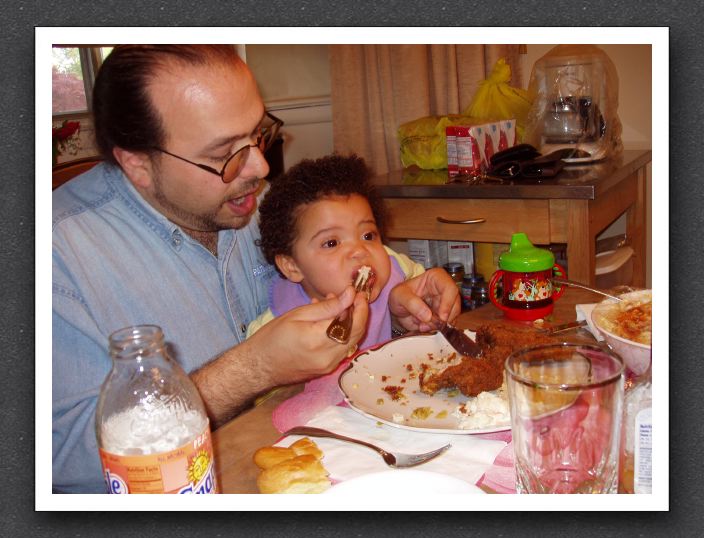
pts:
[335, 237]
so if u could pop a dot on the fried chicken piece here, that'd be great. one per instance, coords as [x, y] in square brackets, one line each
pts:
[473, 376]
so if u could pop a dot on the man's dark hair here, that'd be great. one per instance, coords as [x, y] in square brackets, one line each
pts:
[123, 113]
[307, 182]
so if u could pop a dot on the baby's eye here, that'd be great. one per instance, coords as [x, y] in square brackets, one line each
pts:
[370, 236]
[330, 243]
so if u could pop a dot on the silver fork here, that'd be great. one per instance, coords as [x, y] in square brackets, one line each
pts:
[340, 328]
[392, 459]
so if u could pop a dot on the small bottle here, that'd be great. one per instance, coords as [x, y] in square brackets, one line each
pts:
[152, 429]
[635, 466]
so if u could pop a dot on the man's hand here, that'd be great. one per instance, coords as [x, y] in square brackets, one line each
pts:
[289, 349]
[297, 344]
[413, 301]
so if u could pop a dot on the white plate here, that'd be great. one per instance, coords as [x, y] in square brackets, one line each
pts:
[397, 363]
[408, 481]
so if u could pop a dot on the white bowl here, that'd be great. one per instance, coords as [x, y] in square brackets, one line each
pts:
[636, 356]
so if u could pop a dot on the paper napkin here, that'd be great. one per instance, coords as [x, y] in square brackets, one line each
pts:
[468, 459]
[584, 312]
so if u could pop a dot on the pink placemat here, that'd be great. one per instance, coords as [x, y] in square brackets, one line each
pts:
[501, 476]
[316, 396]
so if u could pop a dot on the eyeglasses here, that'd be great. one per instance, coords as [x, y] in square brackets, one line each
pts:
[236, 162]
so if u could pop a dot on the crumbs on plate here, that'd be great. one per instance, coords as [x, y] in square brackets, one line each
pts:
[422, 413]
[395, 392]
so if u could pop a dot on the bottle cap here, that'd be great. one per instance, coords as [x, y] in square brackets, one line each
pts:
[523, 257]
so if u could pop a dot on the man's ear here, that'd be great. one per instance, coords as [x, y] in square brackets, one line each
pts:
[288, 267]
[136, 165]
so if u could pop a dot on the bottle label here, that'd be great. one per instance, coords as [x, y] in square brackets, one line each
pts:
[186, 469]
[643, 460]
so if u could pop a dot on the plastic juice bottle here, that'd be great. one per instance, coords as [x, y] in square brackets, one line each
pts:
[635, 466]
[151, 425]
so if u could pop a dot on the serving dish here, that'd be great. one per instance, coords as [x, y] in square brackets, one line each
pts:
[636, 356]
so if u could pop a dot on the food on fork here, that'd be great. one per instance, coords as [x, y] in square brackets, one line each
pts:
[364, 280]
[474, 376]
[293, 469]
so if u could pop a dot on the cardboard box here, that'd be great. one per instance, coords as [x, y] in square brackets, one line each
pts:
[427, 253]
[461, 252]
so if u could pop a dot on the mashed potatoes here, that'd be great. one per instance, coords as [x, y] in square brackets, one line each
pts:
[486, 410]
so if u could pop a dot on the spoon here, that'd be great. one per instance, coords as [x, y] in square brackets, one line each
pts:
[574, 284]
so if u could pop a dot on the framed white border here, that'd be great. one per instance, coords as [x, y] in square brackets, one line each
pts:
[656, 36]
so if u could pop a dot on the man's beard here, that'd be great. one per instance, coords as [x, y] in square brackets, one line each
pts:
[193, 221]
[200, 222]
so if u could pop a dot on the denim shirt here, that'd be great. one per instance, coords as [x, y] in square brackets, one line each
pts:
[117, 262]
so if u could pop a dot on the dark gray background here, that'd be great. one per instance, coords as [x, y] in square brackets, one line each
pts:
[17, 325]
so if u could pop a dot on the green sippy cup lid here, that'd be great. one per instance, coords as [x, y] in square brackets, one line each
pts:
[523, 257]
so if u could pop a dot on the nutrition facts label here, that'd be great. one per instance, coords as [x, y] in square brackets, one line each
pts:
[643, 464]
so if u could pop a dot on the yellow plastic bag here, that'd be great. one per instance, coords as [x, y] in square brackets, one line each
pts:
[423, 141]
[496, 100]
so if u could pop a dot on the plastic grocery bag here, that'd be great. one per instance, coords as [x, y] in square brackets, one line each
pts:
[423, 141]
[495, 99]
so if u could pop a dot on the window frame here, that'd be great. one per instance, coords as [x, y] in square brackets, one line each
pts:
[91, 58]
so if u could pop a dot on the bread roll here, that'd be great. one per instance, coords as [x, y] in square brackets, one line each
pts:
[302, 474]
[269, 456]
[293, 469]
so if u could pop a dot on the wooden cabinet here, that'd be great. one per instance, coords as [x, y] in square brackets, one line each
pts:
[573, 208]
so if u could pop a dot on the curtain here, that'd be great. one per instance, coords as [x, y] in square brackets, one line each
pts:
[376, 88]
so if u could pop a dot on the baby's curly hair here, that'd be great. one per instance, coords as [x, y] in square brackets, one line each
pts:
[307, 182]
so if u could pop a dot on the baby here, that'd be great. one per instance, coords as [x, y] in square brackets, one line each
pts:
[320, 224]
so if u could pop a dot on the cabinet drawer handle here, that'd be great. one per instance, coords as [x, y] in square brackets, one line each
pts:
[470, 221]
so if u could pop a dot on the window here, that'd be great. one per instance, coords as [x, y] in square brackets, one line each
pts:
[73, 72]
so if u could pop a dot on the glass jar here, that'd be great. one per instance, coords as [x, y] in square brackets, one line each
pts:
[456, 272]
[152, 429]
[480, 292]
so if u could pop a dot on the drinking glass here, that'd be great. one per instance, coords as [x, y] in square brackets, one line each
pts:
[566, 402]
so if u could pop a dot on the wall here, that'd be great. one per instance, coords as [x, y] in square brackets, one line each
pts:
[294, 81]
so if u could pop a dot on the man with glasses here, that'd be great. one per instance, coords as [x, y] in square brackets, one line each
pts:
[165, 232]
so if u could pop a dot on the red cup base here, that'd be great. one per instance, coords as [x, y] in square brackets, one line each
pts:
[528, 314]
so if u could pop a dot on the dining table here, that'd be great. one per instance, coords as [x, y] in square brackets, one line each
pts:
[236, 441]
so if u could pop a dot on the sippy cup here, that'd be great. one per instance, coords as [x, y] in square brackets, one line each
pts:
[525, 273]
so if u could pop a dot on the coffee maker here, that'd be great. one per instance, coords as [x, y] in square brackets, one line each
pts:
[574, 89]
